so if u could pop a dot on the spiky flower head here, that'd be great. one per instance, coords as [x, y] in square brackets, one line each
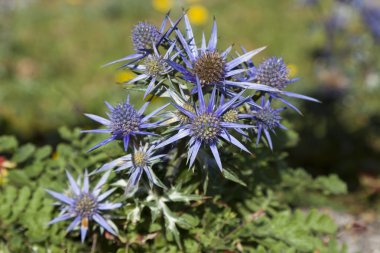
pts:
[144, 35]
[231, 116]
[124, 119]
[140, 160]
[206, 126]
[84, 205]
[266, 119]
[210, 65]
[155, 66]
[273, 72]
[267, 116]
[210, 68]
[124, 123]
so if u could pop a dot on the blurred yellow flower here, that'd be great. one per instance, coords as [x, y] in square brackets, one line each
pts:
[55, 155]
[5, 165]
[124, 76]
[293, 70]
[162, 5]
[198, 14]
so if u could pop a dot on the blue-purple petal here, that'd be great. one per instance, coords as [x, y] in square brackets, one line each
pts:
[73, 185]
[63, 217]
[99, 119]
[61, 197]
[215, 153]
[102, 222]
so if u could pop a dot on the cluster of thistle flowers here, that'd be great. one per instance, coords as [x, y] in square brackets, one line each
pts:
[206, 87]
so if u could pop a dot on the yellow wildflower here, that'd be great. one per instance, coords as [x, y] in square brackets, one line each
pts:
[293, 70]
[162, 5]
[124, 76]
[198, 14]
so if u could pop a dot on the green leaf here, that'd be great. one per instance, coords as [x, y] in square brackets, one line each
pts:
[301, 241]
[331, 184]
[43, 152]
[65, 133]
[20, 204]
[24, 153]
[320, 222]
[18, 177]
[229, 174]
[7, 199]
[187, 221]
[176, 196]
[8, 143]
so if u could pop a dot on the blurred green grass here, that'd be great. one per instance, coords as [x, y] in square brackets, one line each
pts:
[51, 53]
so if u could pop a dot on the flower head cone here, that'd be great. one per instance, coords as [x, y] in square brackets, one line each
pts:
[207, 126]
[152, 70]
[84, 205]
[274, 73]
[140, 161]
[145, 37]
[124, 123]
[211, 66]
[267, 120]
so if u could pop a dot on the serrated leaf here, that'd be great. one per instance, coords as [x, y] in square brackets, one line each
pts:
[176, 196]
[134, 214]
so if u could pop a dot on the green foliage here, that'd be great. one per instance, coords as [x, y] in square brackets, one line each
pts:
[250, 213]
[25, 209]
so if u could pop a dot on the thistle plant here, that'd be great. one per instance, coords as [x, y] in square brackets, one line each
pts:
[84, 205]
[219, 103]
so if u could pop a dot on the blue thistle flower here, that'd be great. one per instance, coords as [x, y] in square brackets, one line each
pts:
[153, 67]
[274, 73]
[84, 205]
[211, 66]
[266, 119]
[145, 37]
[141, 160]
[124, 122]
[206, 126]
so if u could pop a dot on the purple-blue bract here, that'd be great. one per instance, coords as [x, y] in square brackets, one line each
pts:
[141, 160]
[124, 123]
[267, 119]
[212, 67]
[207, 126]
[84, 205]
